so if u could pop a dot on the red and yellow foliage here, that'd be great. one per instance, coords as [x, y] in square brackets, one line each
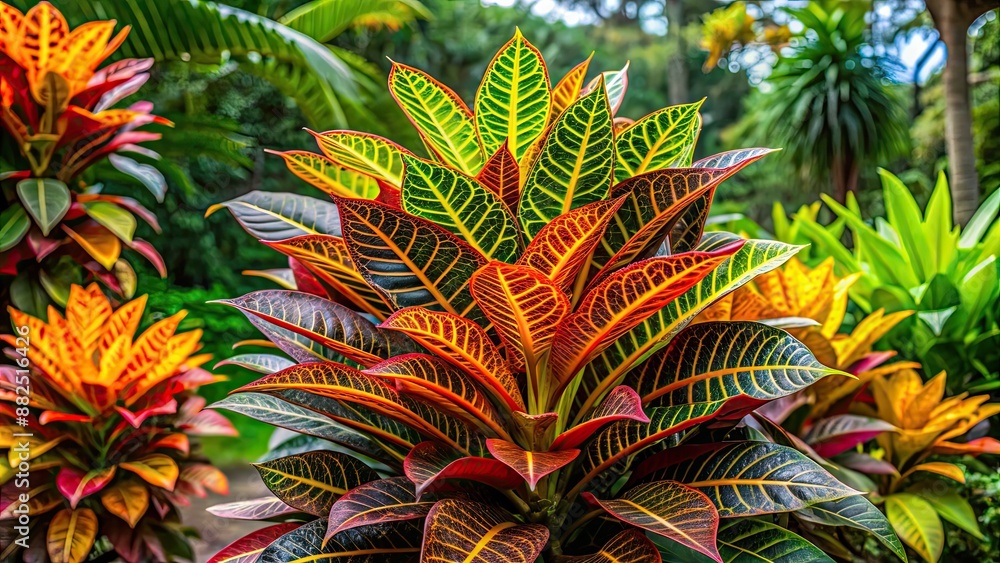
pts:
[107, 418]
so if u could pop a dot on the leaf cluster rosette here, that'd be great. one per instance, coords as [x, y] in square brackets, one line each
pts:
[107, 420]
[489, 352]
[57, 108]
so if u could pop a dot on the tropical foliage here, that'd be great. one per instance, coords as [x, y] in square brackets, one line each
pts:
[286, 49]
[107, 418]
[828, 100]
[921, 262]
[874, 433]
[531, 385]
[58, 108]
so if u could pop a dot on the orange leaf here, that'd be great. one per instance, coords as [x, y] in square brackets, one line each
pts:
[531, 466]
[97, 241]
[463, 530]
[622, 403]
[156, 469]
[327, 257]
[428, 462]
[564, 245]
[621, 302]
[567, 90]
[127, 500]
[432, 379]
[524, 307]
[463, 343]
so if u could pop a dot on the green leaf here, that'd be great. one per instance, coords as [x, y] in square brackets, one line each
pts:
[748, 540]
[722, 361]
[46, 200]
[312, 481]
[905, 218]
[296, 64]
[575, 164]
[368, 154]
[917, 524]
[442, 118]
[746, 478]
[885, 260]
[276, 411]
[409, 260]
[14, 224]
[325, 19]
[656, 141]
[856, 512]
[949, 505]
[460, 204]
[337, 327]
[627, 437]
[120, 222]
[271, 216]
[397, 541]
[513, 100]
[978, 289]
[980, 221]
[938, 232]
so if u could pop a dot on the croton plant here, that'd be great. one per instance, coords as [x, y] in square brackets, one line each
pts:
[57, 107]
[883, 433]
[491, 346]
[95, 428]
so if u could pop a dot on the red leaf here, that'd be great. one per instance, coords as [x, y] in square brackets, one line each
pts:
[248, 548]
[531, 466]
[622, 403]
[428, 462]
[501, 175]
[167, 405]
[75, 485]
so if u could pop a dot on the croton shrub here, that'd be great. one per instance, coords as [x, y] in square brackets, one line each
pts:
[95, 428]
[57, 108]
[885, 433]
[492, 350]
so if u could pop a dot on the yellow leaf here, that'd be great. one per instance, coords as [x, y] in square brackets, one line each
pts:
[71, 535]
[156, 469]
[127, 500]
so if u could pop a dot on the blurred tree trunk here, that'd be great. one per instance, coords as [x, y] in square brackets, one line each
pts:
[677, 70]
[952, 19]
[845, 176]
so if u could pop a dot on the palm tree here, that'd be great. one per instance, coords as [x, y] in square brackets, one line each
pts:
[952, 19]
[288, 52]
[828, 103]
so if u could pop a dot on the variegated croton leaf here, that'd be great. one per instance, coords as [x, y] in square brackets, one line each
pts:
[504, 344]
